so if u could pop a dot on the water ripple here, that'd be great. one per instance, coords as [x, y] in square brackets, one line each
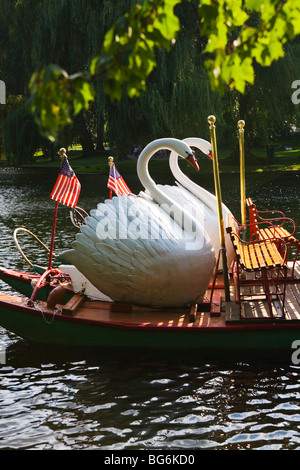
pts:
[54, 399]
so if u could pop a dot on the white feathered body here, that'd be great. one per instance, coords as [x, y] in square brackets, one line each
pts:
[133, 251]
[205, 215]
[196, 198]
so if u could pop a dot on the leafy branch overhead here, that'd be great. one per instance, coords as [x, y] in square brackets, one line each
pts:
[55, 97]
[238, 33]
[241, 32]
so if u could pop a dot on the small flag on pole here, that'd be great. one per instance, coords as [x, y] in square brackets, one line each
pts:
[67, 187]
[116, 182]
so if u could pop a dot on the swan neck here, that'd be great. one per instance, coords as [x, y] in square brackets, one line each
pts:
[204, 196]
[149, 184]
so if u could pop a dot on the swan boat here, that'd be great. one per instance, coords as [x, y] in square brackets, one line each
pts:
[208, 326]
[70, 278]
[212, 326]
[206, 323]
[186, 190]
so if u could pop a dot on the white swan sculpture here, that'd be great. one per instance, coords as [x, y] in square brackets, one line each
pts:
[143, 252]
[193, 195]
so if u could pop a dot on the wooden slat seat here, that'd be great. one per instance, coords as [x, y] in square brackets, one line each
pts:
[257, 255]
[263, 228]
[279, 232]
[268, 264]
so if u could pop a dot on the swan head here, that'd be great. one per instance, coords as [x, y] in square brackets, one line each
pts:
[192, 160]
[185, 151]
[203, 145]
[181, 148]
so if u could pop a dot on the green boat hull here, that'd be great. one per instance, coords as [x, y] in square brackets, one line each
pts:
[60, 330]
[21, 283]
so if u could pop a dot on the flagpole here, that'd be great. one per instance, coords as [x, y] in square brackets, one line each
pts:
[110, 163]
[53, 236]
[241, 125]
[63, 153]
[115, 178]
[212, 127]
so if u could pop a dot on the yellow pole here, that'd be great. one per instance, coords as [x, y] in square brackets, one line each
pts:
[212, 128]
[241, 125]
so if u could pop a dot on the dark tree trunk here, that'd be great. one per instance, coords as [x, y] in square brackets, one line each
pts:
[85, 137]
[100, 134]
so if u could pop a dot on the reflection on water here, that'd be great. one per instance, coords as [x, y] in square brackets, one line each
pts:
[66, 399]
[127, 402]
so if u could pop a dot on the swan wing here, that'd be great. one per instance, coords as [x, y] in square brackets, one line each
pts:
[132, 251]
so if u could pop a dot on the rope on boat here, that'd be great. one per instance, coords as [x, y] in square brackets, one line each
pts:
[21, 229]
[77, 215]
[57, 310]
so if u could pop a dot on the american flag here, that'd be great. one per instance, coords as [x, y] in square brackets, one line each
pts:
[116, 182]
[67, 187]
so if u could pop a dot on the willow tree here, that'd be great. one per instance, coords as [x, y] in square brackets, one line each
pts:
[64, 32]
[268, 106]
[128, 53]
[16, 123]
[70, 33]
[178, 97]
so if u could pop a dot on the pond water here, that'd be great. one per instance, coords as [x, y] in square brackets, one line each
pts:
[111, 400]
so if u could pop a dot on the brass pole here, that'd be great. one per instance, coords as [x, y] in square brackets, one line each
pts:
[241, 125]
[211, 120]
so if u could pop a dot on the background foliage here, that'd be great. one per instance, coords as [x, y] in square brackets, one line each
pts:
[128, 72]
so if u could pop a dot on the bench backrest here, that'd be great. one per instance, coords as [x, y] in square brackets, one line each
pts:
[253, 224]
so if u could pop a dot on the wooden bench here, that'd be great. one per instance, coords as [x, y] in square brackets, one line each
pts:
[269, 268]
[262, 228]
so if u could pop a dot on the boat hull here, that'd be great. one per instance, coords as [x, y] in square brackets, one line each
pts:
[40, 325]
[22, 283]
[72, 281]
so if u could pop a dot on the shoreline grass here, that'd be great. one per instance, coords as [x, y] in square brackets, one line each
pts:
[257, 161]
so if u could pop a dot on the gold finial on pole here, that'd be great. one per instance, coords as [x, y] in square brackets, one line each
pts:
[211, 120]
[63, 154]
[110, 161]
[241, 125]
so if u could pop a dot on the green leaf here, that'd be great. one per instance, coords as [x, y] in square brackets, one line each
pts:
[254, 5]
[55, 97]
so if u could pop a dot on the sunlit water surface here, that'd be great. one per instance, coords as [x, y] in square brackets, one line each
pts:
[70, 399]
